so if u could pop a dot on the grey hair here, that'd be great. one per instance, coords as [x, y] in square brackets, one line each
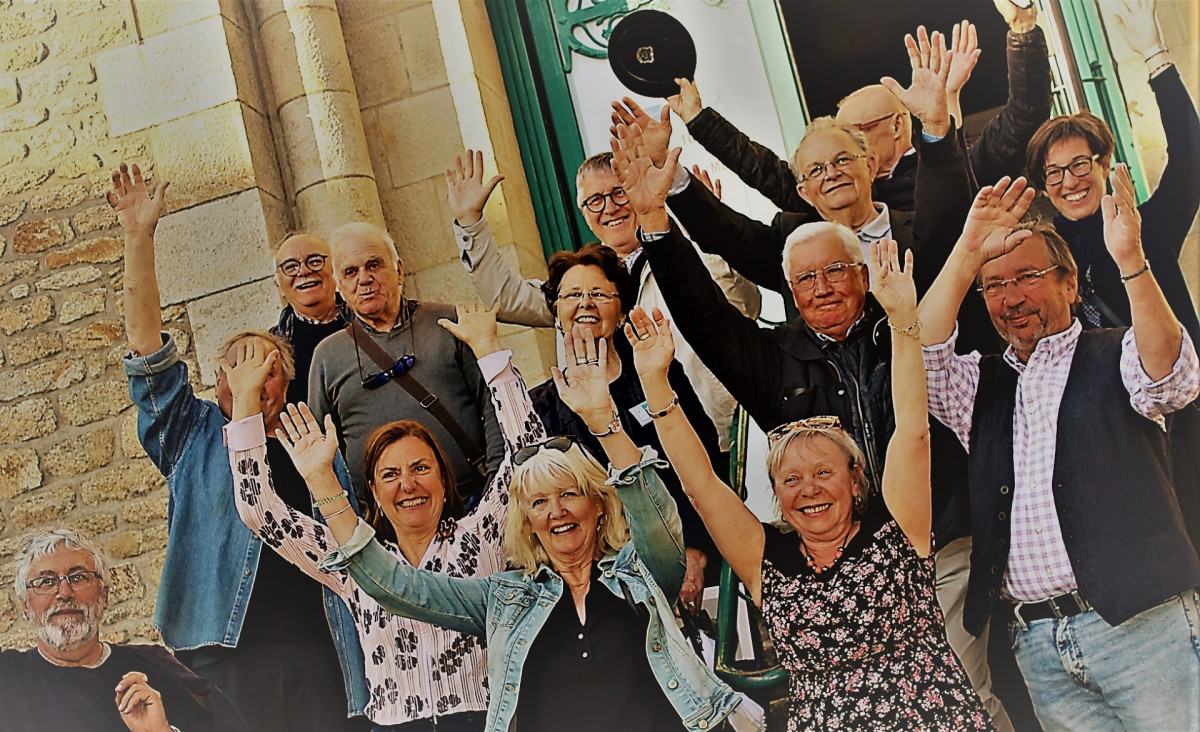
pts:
[598, 163]
[805, 233]
[364, 230]
[830, 123]
[287, 356]
[39, 544]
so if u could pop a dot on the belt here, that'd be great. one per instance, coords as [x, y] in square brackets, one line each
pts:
[1062, 606]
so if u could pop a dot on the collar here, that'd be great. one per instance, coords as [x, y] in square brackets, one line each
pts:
[826, 339]
[878, 227]
[1049, 349]
[631, 259]
[105, 652]
[313, 321]
[407, 308]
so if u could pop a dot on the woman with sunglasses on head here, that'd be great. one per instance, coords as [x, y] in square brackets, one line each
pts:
[420, 677]
[591, 289]
[848, 594]
[581, 635]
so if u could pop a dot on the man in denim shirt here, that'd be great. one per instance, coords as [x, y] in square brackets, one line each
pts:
[275, 650]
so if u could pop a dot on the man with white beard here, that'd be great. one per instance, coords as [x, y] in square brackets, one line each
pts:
[72, 679]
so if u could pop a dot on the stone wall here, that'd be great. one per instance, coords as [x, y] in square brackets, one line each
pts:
[254, 124]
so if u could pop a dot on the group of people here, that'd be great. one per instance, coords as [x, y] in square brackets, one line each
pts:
[448, 549]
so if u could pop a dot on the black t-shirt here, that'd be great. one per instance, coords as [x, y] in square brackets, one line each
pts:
[592, 677]
[285, 604]
[37, 696]
[305, 337]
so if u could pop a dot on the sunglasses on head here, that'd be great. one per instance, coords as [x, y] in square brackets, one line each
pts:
[562, 444]
[824, 422]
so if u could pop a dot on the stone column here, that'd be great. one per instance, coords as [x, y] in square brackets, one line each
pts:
[318, 112]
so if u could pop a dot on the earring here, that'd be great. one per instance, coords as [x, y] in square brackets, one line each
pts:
[600, 522]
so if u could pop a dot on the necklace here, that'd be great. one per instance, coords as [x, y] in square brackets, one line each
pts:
[812, 563]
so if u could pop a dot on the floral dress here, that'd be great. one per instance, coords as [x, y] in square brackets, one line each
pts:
[414, 670]
[864, 643]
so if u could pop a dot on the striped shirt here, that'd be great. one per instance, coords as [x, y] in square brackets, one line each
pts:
[1038, 564]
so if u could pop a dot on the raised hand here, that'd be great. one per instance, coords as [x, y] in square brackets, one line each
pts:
[1137, 23]
[140, 705]
[964, 47]
[583, 384]
[1020, 20]
[997, 210]
[137, 211]
[712, 184]
[656, 133]
[1123, 222]
[645, 184]
[892, 285]
[467, 193]
[247, 372]
[653, 343]
[476, 327]
[686, 103]
[926, 96]
[310, 448]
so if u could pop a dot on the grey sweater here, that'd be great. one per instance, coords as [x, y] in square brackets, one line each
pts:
[444, 365]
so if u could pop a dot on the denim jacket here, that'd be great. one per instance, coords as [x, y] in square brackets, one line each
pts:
[510, 608]
[211, 557]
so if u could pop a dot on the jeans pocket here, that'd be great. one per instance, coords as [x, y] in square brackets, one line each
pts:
[1190, 601]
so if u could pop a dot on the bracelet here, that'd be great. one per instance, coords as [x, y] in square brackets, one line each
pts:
[613, 427]
[329, 500]
[665, 410]
[340, 511]
[1153, 51]
[912, 330]
[1154, 71]
[1145, 268]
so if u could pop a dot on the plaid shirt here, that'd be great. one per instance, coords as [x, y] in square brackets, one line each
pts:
[1038, 564]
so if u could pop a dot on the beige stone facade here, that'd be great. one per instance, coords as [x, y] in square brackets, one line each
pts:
[267, 116]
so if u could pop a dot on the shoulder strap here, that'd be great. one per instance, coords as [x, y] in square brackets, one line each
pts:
[476, 454]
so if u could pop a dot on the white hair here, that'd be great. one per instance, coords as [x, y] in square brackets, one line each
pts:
[40, 544]
[361, 229]
[805, 233]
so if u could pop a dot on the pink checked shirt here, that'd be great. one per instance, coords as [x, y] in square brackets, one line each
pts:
[1038, 565]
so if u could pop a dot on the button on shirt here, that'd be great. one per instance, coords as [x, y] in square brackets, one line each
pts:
[1038, 564]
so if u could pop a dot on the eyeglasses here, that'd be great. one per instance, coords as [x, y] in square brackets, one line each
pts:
[833, 274]
[597, 203]
[48, 584]
[871, 124]
[1079, 167]
[313, 262]
[398, 369]
[823, 422]
[597, 296]
[818, 170]
[562, 444]
[1024, 282]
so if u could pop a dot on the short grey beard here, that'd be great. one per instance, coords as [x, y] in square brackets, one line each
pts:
[72, 635]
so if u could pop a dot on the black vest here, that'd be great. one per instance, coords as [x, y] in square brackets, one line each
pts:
[1116, 505]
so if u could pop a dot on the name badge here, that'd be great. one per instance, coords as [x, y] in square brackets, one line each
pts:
[641, 413]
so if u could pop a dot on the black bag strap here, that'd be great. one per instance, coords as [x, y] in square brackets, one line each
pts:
[476, 454]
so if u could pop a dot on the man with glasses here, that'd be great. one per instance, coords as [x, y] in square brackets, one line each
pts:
[832, 359]
[244, 619]
[72, 680]
[877, 112]
[314, 310]
[397, 362]
[1079, 539]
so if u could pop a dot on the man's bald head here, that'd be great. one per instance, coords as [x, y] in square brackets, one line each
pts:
[883, 118]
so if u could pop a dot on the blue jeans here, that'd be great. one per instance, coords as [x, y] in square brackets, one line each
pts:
[1144, 674]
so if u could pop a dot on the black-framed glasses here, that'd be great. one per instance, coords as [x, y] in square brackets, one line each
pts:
[597, 296]
[313, 263]
[48, 584]
[1078, 167]
[819, 170]
[398, 369]
[872, 123]
[833, 274]
[1024, 282]
[596, 203]
[822, 422]
[562, 444]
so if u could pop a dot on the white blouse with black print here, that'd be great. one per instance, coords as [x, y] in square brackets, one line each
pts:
[414, 670]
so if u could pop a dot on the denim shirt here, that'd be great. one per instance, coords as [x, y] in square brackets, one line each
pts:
[211, 558]
[510, 608]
